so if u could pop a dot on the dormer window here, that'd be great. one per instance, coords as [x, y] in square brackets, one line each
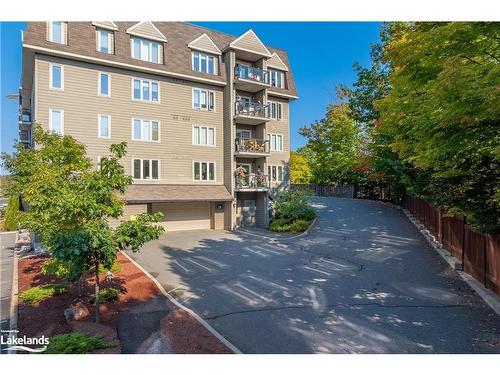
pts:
[276, 78]
[204, 63]
[105, 41]
[57, 32]
[146, 50]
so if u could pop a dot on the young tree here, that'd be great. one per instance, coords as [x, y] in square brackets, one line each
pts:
[300, 172]
[70, 202]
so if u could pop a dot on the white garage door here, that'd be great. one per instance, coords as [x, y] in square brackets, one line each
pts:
[128, 211]
[184, 216]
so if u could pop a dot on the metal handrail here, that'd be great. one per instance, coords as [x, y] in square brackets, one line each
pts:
[252, 181]
[251, 74]
[252, 145]
[252, 109]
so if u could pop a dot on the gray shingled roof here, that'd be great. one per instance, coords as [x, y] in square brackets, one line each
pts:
[148, 193]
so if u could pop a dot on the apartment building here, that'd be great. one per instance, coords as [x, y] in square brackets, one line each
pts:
[205, 114]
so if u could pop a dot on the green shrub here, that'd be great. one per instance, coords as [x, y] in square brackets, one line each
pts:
[39, 293]
[279, 225]
[115, 268]
[55, 267]
[290, 204]
[75, 343]
[12, 214]
[299, 226]
[308, 215]
[106, 294]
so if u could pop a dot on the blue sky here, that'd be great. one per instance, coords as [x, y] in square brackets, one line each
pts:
[321, 55]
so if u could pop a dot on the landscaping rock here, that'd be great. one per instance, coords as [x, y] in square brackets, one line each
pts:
[76, 312]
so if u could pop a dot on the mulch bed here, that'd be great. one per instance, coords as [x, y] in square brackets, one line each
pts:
[183, 332]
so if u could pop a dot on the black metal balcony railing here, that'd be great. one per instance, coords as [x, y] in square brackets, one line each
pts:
[255, 146]
[252, 181]
[25, 118]
[251, 74]
[25, 136]
[254, 109]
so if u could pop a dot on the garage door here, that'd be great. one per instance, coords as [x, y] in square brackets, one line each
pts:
[128, 211]
[184, 216]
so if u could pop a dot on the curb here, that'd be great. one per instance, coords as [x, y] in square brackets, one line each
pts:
[283, 239]
[221, 338]
[14, 293]
[304, 233]
[490, 298]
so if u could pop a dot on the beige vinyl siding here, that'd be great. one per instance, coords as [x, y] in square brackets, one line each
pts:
[204, 44]
[146, 30]
[128, 211]
[252, 43]
[280, 127]
[82, 104]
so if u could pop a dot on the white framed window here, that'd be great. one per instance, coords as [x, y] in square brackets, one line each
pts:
[275, 142]
[146, 169]
[104, 84]
[204, 63]
[146, 50]
[145, 130]
[105, 41]
[104, 126]
[203, 135]
[56, 121]
[56, 77]
[275, 110]
[203, 171]
[243, 134]
[146, 90]
[57, 32]
[275, 173]
[276, 78]
[203, 99]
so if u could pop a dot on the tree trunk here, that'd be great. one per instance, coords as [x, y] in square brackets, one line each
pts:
[80, 286]
[97, 292]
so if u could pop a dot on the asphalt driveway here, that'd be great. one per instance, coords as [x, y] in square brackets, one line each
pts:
[362, 281]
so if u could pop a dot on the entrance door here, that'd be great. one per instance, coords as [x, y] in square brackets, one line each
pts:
[248, 211]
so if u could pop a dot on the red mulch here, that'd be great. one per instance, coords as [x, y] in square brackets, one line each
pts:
[184, 333]
[199, 340]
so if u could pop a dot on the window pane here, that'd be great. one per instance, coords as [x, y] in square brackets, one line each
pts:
[137, 49]
[145, 90]
[154, 53]
[196, 170]
[211, 65]
[154, 169]
[145, 169]
[274, 172]
[196, 62]
[56, 77]
[280, 173]
[211, 136]
[204, 171]
[154, 131]
[137, 88]
[56, 122]
[103, 46]
[104, 84]
[203, 63]
[145, 51]
[203, 99]
[203, 136]
[154, 95]
[57, 32]
[104, 126]
[137, 168]
[146, 131]
[196, 99]
[196, 135]
[211, 101]
[211, 171]
[137, 130]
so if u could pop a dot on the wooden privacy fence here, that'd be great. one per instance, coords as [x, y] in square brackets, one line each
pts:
[336, 191]
[479, 252]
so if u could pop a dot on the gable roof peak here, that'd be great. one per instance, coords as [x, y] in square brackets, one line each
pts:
[204, 43]
[147, 30]
[276, 62]
[244, 41]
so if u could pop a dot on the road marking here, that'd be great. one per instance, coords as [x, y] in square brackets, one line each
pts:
[266, 282]
[219, 264]
[246, 248]
[316, 270]
[199, 264]
[258, 295]
[187, 270]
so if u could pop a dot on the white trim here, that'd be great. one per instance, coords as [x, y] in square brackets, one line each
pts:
[150, 43]
[161, 38]
[208, 99]
[208, 170]
[279, 94]
[99, 84]
[270, 166]
[64, 30]
[99, 126]
[151, 130]
[269, 135]
[124, 65]
[207, 127]
[250, 168]
[51, 78]
[283, 67]
[250, 31]
[62, 119]
[190, 45]
[142, 172]
[278, 104]
[207, 56]
[105, 26]
[151, 81]
[110, 41]
[244, 130]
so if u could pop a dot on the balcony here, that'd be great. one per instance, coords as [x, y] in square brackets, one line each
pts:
[251, 113]
[251, 148]
[25, 137]
[250, 79]
[251, 182]
[25, 118]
